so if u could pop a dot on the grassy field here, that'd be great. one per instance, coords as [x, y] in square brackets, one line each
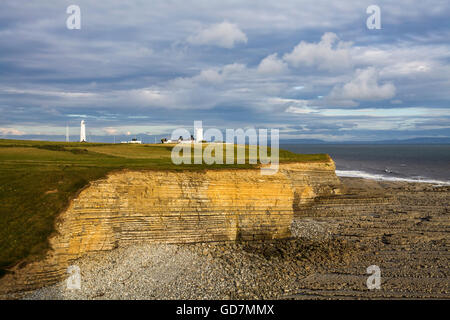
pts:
[38, 179]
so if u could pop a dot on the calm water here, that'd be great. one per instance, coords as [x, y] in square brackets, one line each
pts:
[430, 163]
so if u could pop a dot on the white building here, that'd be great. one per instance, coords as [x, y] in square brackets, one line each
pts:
[82, 132]
[196, 138]
[134, 141]
[198, 135]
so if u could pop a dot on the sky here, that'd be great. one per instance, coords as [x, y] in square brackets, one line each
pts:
[312, 69]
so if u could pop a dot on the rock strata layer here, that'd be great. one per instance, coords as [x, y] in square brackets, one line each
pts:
[176, 207]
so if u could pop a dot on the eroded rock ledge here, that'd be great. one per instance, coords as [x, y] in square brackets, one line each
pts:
[176, 207]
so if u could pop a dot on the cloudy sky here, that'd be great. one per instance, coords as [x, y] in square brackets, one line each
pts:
[310, 68]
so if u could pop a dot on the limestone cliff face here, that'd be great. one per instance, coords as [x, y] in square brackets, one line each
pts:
[176, 207]
[311, 180]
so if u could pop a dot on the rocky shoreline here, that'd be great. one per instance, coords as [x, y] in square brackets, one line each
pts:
[401, 227]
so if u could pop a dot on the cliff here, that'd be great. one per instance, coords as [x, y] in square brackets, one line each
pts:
[176, 207]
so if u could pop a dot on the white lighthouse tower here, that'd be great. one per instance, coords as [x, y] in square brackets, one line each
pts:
[198, 135]
[82, 132]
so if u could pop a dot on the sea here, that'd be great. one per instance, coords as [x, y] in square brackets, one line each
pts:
[391, 162]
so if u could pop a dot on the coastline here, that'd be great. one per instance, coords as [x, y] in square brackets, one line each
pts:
[400, 226]
[382, 177]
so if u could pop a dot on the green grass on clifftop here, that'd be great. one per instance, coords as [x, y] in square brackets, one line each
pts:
[39, 178]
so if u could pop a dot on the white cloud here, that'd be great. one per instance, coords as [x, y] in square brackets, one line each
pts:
[404, 60]
[272, 65]
[406, 68]
[364, 86]
[218, 75]
[209, 76]
[11, 132]
[233, 68]
[146, 97]
[329, 54]
[292, 105]
[382, 112]
[110, 131]
[62, 94]
[300, 110]
[225, 35]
